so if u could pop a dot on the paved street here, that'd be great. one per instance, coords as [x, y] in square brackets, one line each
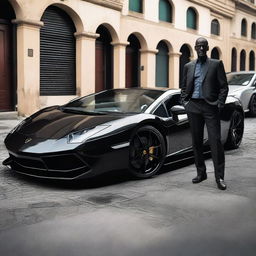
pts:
[114, 215]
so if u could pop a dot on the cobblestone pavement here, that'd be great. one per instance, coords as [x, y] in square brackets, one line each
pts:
[116, 215]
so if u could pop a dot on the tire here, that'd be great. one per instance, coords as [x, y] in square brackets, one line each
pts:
[236, 130]
[252, 105]
[147, 152]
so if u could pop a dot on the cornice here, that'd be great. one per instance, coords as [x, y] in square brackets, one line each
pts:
[217, 7]
[245, 6]
[113, 4]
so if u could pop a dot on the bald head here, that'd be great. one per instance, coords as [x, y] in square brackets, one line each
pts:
[201, 47]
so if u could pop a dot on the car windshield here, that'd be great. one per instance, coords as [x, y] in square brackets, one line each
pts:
[239, 79]
[115, 100]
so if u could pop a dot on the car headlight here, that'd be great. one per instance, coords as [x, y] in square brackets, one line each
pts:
[81, 136]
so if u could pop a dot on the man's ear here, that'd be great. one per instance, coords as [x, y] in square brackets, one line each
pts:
[207, 49]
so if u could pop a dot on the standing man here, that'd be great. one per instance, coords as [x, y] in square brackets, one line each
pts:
[203, 93]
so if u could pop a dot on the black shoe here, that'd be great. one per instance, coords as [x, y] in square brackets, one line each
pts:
[221, 184]
[199, 178]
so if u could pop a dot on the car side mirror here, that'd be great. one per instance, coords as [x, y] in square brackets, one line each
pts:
[178, 110]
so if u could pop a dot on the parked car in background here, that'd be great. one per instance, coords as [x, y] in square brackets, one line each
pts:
[242, 85]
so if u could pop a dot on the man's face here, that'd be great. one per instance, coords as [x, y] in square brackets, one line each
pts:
[201, 48]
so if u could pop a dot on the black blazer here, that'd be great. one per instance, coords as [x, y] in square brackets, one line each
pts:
[214, 86]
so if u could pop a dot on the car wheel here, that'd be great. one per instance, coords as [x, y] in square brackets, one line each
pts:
[252, 105]
[236, 130]
[147, 152]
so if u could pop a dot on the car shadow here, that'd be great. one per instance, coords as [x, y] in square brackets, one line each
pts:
[107, 179]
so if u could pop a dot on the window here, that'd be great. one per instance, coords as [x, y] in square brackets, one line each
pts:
[252, 61]
[161, 111]
[244, 27]
[233, 59]
[215, 27]
[242, 60]
[135, 5]
[253, 33]
[165, 11]
[191, 18]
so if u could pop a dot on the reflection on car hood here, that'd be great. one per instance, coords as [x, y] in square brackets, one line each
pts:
[56, 124]
[235, 88]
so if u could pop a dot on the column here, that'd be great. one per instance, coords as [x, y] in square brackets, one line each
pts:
[148, 68]
[174, 69]
[85, 62]
[28, 66]
[119, 63]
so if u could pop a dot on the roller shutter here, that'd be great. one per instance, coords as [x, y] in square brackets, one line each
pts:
[57, 54]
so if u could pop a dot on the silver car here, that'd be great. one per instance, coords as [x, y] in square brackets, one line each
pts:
[242, 85]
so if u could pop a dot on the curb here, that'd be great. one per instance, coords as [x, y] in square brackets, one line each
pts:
[12, 115]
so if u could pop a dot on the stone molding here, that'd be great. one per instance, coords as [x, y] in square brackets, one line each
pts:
[33, 23]
[90, 35]
[113, 4]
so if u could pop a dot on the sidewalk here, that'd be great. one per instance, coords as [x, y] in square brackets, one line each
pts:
[12, 115]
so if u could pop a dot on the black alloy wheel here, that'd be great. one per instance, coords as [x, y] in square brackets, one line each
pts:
[147, 152]
[252, 105]
[236, 130]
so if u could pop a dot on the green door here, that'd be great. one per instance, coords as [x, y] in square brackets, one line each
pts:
[162, 65]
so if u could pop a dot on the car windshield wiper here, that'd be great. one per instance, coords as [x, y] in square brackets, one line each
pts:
[79, 111]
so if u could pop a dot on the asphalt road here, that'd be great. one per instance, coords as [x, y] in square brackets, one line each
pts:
[115, 215]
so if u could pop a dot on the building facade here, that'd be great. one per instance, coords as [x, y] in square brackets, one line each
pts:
[52, 51]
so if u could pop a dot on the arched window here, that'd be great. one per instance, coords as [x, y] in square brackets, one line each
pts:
[244, 27]
[191, 18]
[242, 60]
[162, 65]
[135, 5]
[165, 10]
[253, 33]
[252, 61]
[233, 59]
[215, 27]
[215, 54]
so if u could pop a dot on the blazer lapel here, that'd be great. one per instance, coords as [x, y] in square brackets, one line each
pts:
[191, 71]
[205, 69]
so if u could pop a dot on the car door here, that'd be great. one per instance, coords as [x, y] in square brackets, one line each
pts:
[179, 139]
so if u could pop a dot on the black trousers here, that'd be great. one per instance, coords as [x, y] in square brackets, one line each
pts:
[200, 113]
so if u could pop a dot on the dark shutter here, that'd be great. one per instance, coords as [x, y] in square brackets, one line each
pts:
[57, 54]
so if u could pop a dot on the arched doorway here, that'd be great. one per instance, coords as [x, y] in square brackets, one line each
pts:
[162, 65]
[252, 61]
[242, 60]
[57, 53]
[103, 60]
[215, 53]
[132, 67]
[233, 59]
[7, 57]
[184, 58]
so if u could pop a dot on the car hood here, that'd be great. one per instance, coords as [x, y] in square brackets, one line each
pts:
[56, 124]
[235, 88]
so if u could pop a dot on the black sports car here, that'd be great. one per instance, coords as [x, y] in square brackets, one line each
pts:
[138, 129]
